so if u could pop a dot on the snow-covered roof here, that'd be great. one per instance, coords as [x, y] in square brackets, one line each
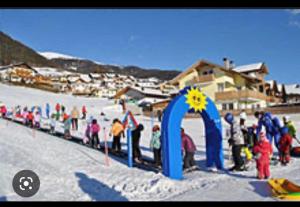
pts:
[47, 71]
[85, 78]
[95, 75]
[150, 100]
[250, 67]
[292, 89]
[149, 91]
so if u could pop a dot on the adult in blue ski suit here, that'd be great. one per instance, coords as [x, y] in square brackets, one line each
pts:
[40, 110]
[265, 119]
[276, 131]
[47, 110]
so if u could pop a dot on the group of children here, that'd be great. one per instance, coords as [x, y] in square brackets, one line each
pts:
[257, 144]
[252, 141]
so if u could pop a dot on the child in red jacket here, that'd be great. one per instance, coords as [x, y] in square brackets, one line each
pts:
[263, 151]
[285, 144]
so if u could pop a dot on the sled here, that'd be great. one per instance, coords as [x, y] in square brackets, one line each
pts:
[295, 152]
[284, 189]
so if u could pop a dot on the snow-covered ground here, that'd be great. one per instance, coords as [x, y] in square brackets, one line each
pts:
[69, 171]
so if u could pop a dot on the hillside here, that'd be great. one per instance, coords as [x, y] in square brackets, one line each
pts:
[13, 51]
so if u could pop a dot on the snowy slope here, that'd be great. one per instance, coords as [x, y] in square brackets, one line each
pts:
[52, 55]
[69, 171]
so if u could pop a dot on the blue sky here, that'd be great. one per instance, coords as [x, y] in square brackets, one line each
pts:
[165, 38]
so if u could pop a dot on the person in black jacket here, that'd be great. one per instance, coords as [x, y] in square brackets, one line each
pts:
[136, 135]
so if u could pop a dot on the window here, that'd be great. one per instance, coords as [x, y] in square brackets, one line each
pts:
[261, 89]
[204, 73]
[224, 107]
[239, 88]
[211, 72]
[231, 106]
[221, 87]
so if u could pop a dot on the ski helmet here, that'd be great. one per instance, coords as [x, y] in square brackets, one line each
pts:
[229, 118]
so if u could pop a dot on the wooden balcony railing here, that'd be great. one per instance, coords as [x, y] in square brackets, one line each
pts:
[237, 95]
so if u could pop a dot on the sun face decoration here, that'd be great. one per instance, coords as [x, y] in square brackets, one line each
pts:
[196, 99]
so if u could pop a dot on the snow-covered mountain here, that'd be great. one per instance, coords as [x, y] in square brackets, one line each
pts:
[53, 55]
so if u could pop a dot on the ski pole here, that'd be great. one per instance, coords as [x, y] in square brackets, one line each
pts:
[106, 148]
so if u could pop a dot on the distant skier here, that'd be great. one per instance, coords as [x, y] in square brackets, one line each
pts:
[263, 152]
[188, 148]
[75, 115]
[57, 109]
[37, 120]
[87, 133]
[48, 110]
[136, 135]
[285, 144]
[30, 119]
[159, 115]
[117, 131]
[236, 140]
[52, 124]
[83, 110]
[95, 129]
[3, 111]
[67, 126]
[155, 145]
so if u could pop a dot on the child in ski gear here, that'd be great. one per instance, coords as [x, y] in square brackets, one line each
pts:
[236, 140]
[263, 152]
[57, 108]
[136, 135]
[155, 145]
[291, 128]
[67, 126]
[95, 128]
[3, 111]
[52, 124]
[37, 120]
[25, 116]
[87, 132]
[30, 118]
[117, 131]
[48, 110]
[75, 115]
[189, 148]
[83, 112]
[285, 144]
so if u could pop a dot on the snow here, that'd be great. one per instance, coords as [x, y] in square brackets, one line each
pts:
[52, 55]
[246, 68]
[71, 172]
[47, 71]
[292, 89]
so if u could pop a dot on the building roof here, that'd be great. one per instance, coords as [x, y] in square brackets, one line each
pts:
[145, 91]
[204, 63]
[251, 68]
[18, 64]
[292, 89]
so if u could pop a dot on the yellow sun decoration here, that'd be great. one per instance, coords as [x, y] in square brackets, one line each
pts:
[196, 99]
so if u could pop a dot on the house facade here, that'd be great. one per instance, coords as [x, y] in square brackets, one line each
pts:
[231, 88]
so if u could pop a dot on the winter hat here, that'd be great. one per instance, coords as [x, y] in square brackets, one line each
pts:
[155, 128]
[262, 136]
[287, 118]
[229, 118]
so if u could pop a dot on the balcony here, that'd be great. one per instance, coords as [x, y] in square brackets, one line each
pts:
[201, 79]
[240, 95]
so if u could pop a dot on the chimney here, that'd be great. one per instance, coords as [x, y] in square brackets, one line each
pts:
[231, 65]
[226, 63]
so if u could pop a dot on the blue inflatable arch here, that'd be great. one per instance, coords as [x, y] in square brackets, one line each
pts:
[171, 139]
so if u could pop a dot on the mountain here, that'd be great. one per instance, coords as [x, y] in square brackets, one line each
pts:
[12, 51]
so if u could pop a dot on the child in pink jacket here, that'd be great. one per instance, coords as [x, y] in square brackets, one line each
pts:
[189, 148]
[95, 128]
[263, 151]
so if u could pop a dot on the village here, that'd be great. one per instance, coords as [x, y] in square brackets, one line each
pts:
[232, 88]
